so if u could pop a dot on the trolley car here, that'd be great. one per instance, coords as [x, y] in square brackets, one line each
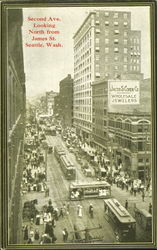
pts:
[121, 221]
[58, 151]
[144, 219]
[96, 189]
[68, 168]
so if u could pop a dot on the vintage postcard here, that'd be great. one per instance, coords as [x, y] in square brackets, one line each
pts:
[78, 125]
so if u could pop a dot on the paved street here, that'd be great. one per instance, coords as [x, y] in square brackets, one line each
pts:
[59, 187]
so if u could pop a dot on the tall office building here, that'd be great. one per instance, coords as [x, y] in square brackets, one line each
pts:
[104, 47]
[50, 101]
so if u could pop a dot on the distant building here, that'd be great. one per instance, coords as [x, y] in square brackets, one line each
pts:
[66, 101]
[104, 47]
[43, 106]
[16, 103]
[57, 106]
[50, 102]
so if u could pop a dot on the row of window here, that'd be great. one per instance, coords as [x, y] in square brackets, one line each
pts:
[82, 87]
[116, 50]
[116, 59]
[84, 70]
[83, 64]
[127, 143]
[107, 23]
[128, 126]
[116, 32]
[86, 101]
[97, 31]
[82, 48]
[87, 77]
[83, 109]
[83, 73]
[82, 123]
[143, 160]
[86, 93]
[107, 41]
[82, 58]
[82, 116]
[113, 14]
[135, 40]
[82, 80]
[82, 41]
[78, 87]
[125, 67]
[116, 41]
[82, 54]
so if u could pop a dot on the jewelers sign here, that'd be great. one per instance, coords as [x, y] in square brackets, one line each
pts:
[123, 92]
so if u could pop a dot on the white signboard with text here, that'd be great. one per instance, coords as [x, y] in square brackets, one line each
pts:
[123, 92]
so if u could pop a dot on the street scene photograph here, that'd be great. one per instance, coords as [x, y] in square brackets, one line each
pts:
[79, 126]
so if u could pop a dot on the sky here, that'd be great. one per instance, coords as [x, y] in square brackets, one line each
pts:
[46, 66]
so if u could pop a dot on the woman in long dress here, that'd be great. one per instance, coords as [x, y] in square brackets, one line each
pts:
[80, 212]
[31, 235]
[26, 232]
[41, 219]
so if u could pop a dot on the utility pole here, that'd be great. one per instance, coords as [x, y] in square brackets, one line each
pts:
[45, 147]
[46, 161]
[145, 130]
[111, 136]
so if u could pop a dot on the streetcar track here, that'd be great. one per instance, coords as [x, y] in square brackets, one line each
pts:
[80, 223]
[58, 178]
[59, 193]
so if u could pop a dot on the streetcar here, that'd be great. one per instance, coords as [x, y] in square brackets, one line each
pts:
[50, 130]
[58, 151]
[144, 219]
[122, 222]
[95, 189]
[67, 167]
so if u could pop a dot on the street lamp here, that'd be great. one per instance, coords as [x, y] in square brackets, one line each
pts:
[45, 147]
[145, 131]
[111, 137]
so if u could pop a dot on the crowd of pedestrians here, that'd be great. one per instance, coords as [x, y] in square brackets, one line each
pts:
[112, 174]
[42, 226]
[34, 174]
[43, 223]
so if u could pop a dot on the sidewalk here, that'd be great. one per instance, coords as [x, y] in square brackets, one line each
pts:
[123, 195]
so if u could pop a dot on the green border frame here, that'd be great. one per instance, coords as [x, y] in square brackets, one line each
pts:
[3, 171]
